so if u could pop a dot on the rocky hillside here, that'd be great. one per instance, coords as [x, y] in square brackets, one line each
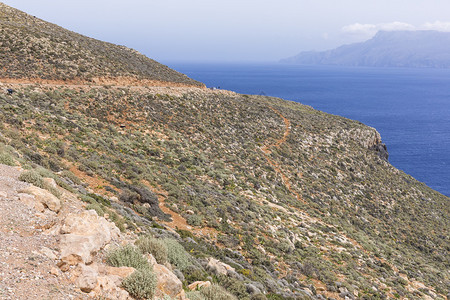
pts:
[235, 195]
[413, 49]
[31, 48]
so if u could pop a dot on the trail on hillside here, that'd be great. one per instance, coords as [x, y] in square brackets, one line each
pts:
[267, 152]
[97, 82]
[178, 221]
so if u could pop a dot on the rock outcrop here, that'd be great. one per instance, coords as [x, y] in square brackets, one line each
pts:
[219, 267]
[82, 235]
[168, 283]
[41, 198]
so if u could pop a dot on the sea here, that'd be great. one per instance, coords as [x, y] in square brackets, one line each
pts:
[409, 107]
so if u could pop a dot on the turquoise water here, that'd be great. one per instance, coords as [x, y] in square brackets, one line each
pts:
[409, 107]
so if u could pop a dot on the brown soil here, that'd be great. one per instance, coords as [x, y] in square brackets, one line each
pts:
[266, 152]
[100, 81]
[178, 222]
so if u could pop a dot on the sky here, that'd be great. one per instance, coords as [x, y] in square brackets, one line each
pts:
[236, 30]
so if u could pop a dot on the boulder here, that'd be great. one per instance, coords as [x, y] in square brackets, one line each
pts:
[83, 234]
[50, 182]
[168, 283]
[199, 284]
[44, 197]
[87, 280]
[107, 288]
[218, 267]
[122, 272]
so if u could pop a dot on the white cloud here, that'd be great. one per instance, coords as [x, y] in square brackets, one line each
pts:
[369, 30]
[395, 26]
[438, 25]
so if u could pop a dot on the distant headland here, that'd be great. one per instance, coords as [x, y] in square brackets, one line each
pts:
[413, 49]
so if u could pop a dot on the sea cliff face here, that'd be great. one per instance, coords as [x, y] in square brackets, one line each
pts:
[417, 49]
[266, 198]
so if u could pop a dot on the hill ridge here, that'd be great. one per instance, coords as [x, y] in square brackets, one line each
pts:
[46, 51]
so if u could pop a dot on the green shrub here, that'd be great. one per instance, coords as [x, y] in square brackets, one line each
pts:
[52, 190]
[7, 159]
[177, 255]
[98, 209]
[258, 297]
[195, 220]
[195, 295]
[216, 292]
[31, 176]
[141, 284]
[71, 176]
[127, 256]
[35, 178]
[100, 199]
[155, 247]
[193, 273]
[119, 221]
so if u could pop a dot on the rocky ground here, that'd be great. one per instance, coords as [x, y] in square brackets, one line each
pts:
[54, 250]
[28, 250]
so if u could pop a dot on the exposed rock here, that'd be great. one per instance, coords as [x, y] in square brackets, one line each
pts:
[122, 272]
[168, 283]
[48, 253]
[50, 182]
[83, 234]
[151, 259]
[381, 150]
[107, 288]
[44, 197]
[199, 284]
[87, 281]
[218, 267]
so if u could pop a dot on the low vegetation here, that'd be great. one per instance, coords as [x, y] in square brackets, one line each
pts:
[296, 202]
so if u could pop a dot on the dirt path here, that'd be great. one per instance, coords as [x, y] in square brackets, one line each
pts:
[178, 222]
[266, 149]
[97, 82]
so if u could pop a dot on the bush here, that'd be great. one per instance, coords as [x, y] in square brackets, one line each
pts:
[177, 255]
[141, 284]
[155, 247]
[32, 177]
[195, 295]
[35, 178]
[7, 159]
[98, 209]
[194, 220]
[216, 292]
[71, 176]
[127, 256]
[117, 219]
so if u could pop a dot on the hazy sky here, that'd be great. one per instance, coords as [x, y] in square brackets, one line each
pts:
[236, 30]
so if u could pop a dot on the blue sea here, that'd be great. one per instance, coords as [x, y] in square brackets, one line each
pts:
[409, 107]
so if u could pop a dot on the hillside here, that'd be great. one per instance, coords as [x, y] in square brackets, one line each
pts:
[34, 49]
[266, 198]
[417, 49]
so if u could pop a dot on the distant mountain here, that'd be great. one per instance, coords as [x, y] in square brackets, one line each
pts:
[429, 49]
